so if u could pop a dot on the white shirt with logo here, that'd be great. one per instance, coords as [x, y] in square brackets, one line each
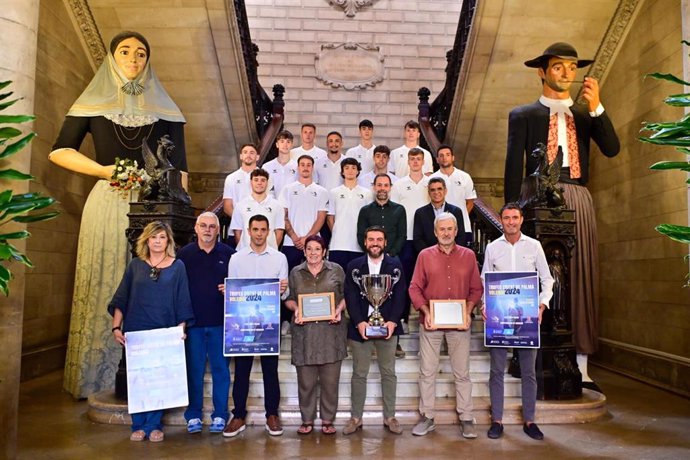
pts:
[344, 204]
[412, 196]
[248, 207]
[303, 204]
[364, 156]
[398, 162]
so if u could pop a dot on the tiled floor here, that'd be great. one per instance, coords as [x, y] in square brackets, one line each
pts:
[644, 423]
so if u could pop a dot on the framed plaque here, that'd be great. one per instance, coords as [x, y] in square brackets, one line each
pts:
[316, 307]
[449, 314]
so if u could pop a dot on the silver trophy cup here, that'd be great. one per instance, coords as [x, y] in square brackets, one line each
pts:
[376, 289]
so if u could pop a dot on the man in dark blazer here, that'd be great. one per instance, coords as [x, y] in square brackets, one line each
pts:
[423, 232]
[376, 261]
[559, 124]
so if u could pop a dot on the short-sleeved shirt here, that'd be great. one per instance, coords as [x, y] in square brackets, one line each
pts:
[398, 162]
[412, 196]
[460, 188]
[303, 203]
[205, 271]
[249, 207]
[315, 152]
[108, 139]
[364, 155]
[237, 185]
[344, 204]
[281, 175]
[327, 172]
[367, 180]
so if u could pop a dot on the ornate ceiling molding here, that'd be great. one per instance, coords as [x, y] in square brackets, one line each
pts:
[613, 38]
[351, 6]
[91, 38]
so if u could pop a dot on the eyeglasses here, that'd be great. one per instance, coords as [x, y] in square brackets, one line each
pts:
[210, 227]
[154, 273]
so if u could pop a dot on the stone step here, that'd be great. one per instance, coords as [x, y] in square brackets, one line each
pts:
[408, 384]
[105, 408]
[408, 342]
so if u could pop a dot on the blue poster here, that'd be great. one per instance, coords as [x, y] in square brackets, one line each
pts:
[252, 317]
[512, 309]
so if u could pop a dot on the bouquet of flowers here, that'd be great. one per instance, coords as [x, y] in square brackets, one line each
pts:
[127, 176]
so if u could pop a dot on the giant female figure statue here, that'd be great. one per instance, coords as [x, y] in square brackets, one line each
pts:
[123, 106]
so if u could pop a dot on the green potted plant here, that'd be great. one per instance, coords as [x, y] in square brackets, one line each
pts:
[15, 207]
[675, 134]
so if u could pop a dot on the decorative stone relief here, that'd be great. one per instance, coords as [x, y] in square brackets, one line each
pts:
[612, 39]
[89, 30]
[349, 65]
[351, 6]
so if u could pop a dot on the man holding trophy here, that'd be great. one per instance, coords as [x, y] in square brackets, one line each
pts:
[444, 289]
[375, 298]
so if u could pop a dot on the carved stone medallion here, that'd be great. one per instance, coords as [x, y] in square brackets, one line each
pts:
[349, 65]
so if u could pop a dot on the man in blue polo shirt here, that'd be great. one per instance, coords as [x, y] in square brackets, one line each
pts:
[206, 261]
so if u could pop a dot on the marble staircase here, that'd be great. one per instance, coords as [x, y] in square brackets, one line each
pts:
[105, 408]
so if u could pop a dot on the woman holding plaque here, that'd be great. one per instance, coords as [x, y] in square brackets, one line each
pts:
[123, 106]
[153, 294]
[318, 334]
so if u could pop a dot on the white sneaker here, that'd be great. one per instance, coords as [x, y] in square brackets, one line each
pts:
[424, 426]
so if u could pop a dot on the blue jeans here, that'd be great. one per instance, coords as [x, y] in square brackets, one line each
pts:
[203, 342]
[147, 421]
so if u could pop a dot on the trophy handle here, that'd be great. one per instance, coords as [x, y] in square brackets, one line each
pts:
[356, 278]
[396, 276]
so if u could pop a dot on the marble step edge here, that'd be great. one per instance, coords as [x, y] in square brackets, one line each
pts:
[105, 408]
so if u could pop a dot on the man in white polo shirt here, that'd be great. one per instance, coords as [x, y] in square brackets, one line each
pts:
[327, 169]
[381, 156]
[306, 204]
[308, 134]
[237, 183]
[364, 152]
[398, 161]
[460, 186]
[343, 210]
[258, 202]
[282, 169]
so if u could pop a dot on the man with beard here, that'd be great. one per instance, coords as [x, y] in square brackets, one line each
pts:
[384, 213]
[206, 261]
[459, 184]
[237, 184]
[327, 169]
[374, 262]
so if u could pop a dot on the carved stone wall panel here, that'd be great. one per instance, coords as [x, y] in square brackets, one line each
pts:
[349, 65]
[350, 7]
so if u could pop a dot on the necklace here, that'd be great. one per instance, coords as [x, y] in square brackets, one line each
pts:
[155, 272]
[134, 142]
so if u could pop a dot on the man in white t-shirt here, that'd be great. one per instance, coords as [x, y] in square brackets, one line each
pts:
[398, 163]
[460, 186]
[412, 193]
[282, 169]
[308, 135]
[237, 183]
[364, 152]
[306, 204]
[327, 169]
[343, 211]
[381, 156]
[258, 202]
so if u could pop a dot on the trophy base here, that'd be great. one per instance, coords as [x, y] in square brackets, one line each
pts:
[376, 332]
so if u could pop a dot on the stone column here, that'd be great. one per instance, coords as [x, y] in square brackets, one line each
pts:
[685, 27]
[19, 25]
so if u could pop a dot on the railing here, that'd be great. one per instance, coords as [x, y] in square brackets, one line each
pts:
[440, 108]
[265, 145]
[486, 227]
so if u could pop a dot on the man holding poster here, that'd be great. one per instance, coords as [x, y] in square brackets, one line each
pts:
[515, 252]
[256, 261]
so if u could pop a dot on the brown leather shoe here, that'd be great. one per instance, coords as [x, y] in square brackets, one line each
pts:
[393, 425]
[235, 427]
[273, 425]
[353, 425]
